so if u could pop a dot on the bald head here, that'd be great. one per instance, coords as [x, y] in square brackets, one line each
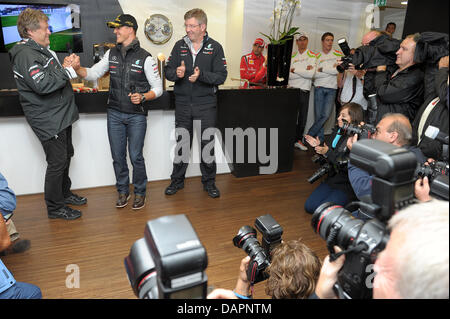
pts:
[395, 129]
[369, 36]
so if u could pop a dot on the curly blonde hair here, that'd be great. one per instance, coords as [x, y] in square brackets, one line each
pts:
[29, 19]
[294, 271]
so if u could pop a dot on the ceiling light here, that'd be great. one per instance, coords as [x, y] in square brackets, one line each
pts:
[404, 2]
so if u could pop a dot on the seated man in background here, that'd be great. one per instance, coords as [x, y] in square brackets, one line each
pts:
[414, 264]
[7, 206]
[252, 64]
[293, 274]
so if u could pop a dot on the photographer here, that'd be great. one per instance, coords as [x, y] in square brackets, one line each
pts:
[434, 112]
[293, 274]
[414, 264]
[401, 91]
[394, 129]
[336, 187]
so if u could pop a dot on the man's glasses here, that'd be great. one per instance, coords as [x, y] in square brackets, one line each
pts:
[191, 26]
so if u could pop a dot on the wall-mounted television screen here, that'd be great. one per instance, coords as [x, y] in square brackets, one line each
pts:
[63, 20]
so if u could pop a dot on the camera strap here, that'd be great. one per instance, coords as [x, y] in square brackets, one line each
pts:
[354, 249]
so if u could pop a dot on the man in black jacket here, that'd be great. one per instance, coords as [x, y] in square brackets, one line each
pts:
[48, 103]
[401, 91]
[197, 65]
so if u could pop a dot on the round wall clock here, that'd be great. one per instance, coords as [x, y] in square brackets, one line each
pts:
[158, 29]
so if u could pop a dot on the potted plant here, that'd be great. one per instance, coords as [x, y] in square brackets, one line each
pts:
[281, 40]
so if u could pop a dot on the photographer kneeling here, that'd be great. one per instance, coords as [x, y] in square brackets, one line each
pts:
[336, 188]
[414, 264]
[394, 129]
[293, 274]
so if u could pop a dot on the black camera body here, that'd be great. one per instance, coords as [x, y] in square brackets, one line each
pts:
[327, 167]
[380, 51]
[169, 262]
[392, 188]
[260, 255]
[364, 131]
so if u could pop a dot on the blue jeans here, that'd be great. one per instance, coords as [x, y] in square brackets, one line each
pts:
[323, 105]
[128, 129]
[21, 290]
[322, 194]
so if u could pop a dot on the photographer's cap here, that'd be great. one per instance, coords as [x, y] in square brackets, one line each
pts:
[301, 34]
[123, 20]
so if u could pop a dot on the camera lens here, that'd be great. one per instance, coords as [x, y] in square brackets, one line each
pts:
[319, 173]
[329, 216]
[244, 234]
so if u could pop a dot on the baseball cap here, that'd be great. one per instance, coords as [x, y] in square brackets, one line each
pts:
[259, 42]
[123, 20]
[301, 34]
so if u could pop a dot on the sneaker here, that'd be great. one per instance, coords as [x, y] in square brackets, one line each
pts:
[122, 201]
[212, 190]
[74, 199]
[173, 188]
[17, 246]
[139, 202]
[66, 213]
[300, 145]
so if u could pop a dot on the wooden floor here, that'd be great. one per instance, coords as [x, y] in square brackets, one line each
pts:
[98, 242]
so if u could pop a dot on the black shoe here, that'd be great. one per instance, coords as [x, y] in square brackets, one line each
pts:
[212, 190]
[17, 246]
[74, 199]
[66, 213]
[173, 188]
[139, 202]
[122, 201]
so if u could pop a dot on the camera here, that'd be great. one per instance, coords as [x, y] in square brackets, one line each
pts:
[393, 171]
[363, 131]
[260, 255]
[169, 262]
[437, 173]
[380, 51]
[326, 167]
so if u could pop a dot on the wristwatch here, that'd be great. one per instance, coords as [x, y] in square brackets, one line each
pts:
[143, 98]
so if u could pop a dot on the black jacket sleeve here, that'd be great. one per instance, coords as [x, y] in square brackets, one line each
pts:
[442, 84]
[38, 76]
[172, 64]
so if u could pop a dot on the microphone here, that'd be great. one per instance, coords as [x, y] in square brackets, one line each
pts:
[435, 134]
[69, 48]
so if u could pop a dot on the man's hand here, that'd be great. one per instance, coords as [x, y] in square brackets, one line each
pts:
[242, 284]
[328, 276]
[75, 62]
[443, 62]
[67, 61]
[422, 189]
[221, 294]
[195, 75]
[381, 68]
[136, 98]
[181, 70]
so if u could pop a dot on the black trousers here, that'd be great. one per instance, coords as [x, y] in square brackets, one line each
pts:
[185, 115]
[302, 115]
[58, 151]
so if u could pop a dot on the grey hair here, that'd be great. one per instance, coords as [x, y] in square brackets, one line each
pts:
[422, 263]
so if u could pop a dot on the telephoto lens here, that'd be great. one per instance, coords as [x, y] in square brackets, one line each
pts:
[334, 219]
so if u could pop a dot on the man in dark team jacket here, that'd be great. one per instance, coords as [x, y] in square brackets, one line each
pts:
[197, 65]
[48, 103]
[401, 91]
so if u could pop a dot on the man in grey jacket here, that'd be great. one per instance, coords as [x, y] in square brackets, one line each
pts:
[48, 103]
